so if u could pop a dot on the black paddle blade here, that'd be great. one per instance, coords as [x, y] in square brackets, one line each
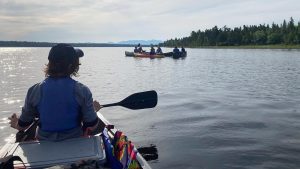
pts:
[141, 100]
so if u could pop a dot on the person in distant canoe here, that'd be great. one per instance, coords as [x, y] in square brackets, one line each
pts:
[158, 50]
[65, 107]
[182, 50]
[140, 49]
[135, 49]
[176, 50]
[152, 50]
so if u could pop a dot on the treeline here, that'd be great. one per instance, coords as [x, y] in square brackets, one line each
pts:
[287, 33]
[49, 44]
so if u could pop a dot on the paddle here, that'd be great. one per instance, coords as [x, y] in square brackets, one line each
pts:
[142, 100]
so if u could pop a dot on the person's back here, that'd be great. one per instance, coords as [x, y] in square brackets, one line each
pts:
[176, 50]
[152, 51]
[63, 105]
[183, 50]
[140, 50]
[159, 51]
[135, 50]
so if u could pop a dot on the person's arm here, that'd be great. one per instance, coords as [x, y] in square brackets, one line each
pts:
[96, 105]
[28, 110]
[14, 123]
[89, 107]
[93, 126]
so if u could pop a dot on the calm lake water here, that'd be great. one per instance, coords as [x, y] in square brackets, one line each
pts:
[218, 108]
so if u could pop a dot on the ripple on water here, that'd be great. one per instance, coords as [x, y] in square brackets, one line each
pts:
[188, 105]
[11, 100]
[219, 143]
[2, 127]
[224, 125]
[9, 138]
[4, 120]
[188, 120]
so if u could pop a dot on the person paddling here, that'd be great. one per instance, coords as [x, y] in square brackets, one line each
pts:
[152, 50]
[183, 50]
[158, 50]
[65, 107]
[176, 50]
[140, 49]
[135, 49]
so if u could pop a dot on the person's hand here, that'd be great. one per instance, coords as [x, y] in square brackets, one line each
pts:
[14, 121]
[97, 105]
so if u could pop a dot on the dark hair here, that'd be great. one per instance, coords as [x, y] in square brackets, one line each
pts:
[59, 69]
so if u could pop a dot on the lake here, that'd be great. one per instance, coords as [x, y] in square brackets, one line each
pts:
[217, 108]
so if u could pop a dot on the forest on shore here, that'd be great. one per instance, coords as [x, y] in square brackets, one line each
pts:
[286, 33]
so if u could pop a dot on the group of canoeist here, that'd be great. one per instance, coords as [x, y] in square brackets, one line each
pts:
[158, 51]
[177, 51]
[139, 49]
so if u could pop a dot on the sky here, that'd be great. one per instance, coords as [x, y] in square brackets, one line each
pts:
[104, 21]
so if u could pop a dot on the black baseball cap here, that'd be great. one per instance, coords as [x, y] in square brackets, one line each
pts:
[63, 52]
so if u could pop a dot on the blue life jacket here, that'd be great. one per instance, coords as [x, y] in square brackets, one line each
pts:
[176, 50]
[152, 51]
[58, 108]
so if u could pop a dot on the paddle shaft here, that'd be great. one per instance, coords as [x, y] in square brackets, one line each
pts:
[110, 105]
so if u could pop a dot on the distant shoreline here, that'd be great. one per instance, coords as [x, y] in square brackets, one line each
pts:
[247, 47]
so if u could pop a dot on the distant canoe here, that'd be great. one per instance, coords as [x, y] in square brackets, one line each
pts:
[147, 55]
[179, 55]
[131, 54]
[168, 54]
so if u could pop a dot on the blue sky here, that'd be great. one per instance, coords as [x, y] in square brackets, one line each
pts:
[117, 20]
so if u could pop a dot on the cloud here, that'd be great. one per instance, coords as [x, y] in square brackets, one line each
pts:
[116, 20]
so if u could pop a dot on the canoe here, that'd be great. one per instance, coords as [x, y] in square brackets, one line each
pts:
[179, 55]
[42, 154]
[168, 54]
[147, 55]
[130, 54]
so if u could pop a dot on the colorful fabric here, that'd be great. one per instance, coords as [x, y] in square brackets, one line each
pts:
[121, 153]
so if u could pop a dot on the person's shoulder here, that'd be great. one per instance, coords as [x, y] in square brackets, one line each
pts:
[35, 87]
[81, 85]
[34, 91]
[81, 89]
